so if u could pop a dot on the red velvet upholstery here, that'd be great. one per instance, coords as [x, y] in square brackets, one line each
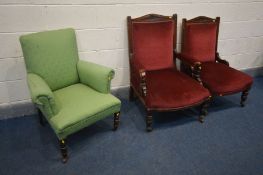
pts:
[200, 41]
[200, 44]
[153, 44]
[169, 88]
[222, 80]
[151, 40]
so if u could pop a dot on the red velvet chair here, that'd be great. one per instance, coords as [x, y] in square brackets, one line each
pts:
[202, 61]
[153, 75]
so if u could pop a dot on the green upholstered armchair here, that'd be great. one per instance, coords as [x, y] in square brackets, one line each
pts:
[70, 93]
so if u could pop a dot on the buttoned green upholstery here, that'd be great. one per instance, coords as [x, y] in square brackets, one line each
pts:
[71, 93]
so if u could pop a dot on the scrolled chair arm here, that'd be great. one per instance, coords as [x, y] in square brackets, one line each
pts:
[143, 82]
[96, 76]
[220, 60]
[138, 69]
[42, 95]
[195, 66]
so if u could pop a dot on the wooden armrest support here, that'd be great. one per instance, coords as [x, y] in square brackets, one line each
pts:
[130, 55]
[219, 60]
[137, 69]
[194, 65]
[196, 71]
[143, 82]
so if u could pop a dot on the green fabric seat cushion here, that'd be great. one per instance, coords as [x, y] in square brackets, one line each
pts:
[81, 106]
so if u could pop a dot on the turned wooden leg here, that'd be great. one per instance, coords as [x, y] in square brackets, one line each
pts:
[131, 94]
[41, 118]
[149, 121]
[63, 149]
[116, 121]
[203, 111]
[244, 97]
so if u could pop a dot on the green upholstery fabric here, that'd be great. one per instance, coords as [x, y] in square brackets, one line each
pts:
[100, 81]
[72, 94]
[52, 53]
[42, 95]
[81, 106]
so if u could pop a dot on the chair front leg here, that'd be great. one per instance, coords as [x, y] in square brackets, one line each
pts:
[244, 97]
[203, 111]
[116, 121]
[41, 117]
[131, 94]
[63, 149]
[149, 121]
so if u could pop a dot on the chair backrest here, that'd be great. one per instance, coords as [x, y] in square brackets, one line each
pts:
[152, 39]
[200, 38]
[52, 55]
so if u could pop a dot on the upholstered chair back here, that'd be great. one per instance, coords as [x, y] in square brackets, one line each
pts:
[153, 44]
[53, 55]
[200, 40]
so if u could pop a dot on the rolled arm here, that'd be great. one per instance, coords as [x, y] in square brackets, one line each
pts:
[41, 94]
[96, 76]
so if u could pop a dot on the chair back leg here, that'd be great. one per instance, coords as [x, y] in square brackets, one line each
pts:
[132, 95]
[203, 111]
[149, 121]
[116, 121]
[244, 97]
[41, 118]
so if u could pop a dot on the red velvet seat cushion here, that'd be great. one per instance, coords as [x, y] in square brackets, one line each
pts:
[200, 41]
[153, 44]
[169, 88]
[222, 80]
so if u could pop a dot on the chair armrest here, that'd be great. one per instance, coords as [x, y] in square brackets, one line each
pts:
[219, 60]
[131, 56]
[186, 59]
[96, 76]
[143, 82]
[195, 66]
[41, 94]
[138, 73]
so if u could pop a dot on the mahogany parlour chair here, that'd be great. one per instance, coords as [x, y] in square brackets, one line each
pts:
[154, 78]
[202, 61]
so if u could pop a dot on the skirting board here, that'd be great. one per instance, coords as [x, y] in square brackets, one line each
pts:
[20, 109]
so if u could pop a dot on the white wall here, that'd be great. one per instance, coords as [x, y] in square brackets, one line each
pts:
[102, 34]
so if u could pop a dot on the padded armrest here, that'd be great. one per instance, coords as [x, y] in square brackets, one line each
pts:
[218, 59]
[186, 59]
[96, 76]
[194, 65]
[41, 94]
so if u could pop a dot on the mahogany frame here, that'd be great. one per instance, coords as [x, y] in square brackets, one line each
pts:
[143, 73]
[192, 67]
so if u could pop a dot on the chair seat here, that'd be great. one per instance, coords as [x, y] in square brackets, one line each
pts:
[222, 80]
[81, 106]
[171, 89]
